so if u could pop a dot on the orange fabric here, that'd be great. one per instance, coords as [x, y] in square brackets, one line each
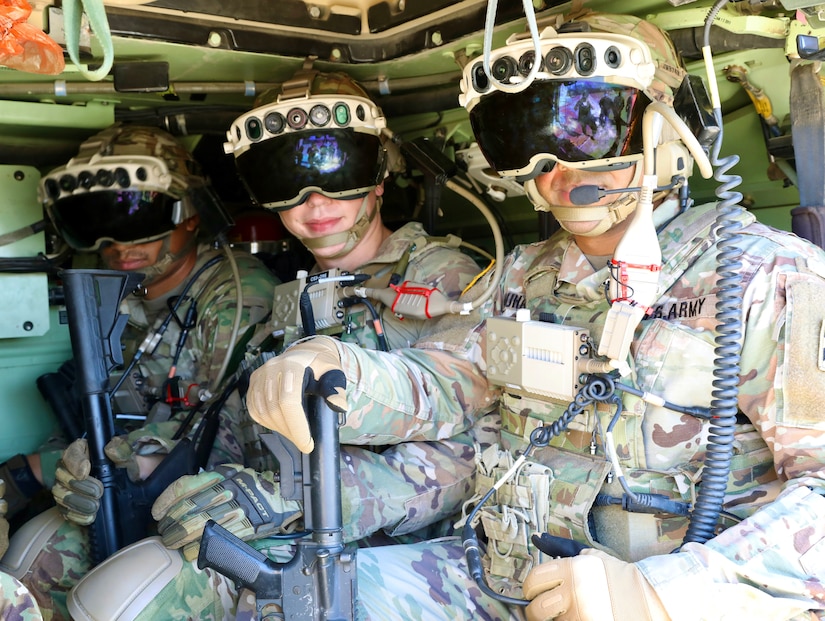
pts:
[24, 46]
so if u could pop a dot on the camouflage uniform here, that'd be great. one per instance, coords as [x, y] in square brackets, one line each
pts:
[16, 602]
[66, 556]
[428, 479]
[768, 565]
[417, 461]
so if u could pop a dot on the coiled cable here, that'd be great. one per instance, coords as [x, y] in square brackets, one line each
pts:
[711, 495]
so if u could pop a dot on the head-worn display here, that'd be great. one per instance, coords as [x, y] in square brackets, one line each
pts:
[317, 133]
[585, 106]
[127, 184]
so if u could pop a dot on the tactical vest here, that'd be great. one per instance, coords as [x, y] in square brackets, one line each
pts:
[567, 488]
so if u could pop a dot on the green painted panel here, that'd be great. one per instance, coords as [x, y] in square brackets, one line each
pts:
[27, 419]
[24, 298]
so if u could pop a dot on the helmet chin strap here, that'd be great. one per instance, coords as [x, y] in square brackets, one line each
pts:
[349, 238]
[166, 259]
[608, 215]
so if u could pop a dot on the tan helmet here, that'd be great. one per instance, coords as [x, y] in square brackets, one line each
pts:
[317, 132]
[583, 108]
[127, 184]
[669, 71]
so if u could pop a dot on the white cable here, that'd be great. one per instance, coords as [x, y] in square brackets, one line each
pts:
[489, 27]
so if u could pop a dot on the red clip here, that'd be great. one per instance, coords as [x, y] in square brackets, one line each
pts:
[404, 289]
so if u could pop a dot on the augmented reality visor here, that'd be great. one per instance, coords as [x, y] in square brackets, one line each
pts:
[340, 163]
[580, 123]
[124, 216]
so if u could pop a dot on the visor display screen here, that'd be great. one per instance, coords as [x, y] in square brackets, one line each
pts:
[126, 216]
[282, 171]
[572, 121]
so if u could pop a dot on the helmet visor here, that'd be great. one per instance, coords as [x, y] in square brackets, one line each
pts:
[584, 123]
[90, 219]
[340, 163]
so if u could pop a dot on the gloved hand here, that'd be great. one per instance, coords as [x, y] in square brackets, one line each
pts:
[141, 450]
[246, 503]
[76, 493]
[4, 523]
[592, 586]
[276, 390]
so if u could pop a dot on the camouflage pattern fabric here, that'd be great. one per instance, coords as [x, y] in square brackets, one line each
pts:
[65, 558]
[672, 356]
[407, 463]
[422, 595]
[414, 468]
[16, 602]
[659, 449]
[208, 344]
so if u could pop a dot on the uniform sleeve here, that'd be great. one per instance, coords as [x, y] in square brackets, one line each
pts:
[772, 564]
[419, 403]
[410, 394]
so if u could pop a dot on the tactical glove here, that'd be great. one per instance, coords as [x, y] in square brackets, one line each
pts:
[276, 390]
[592, 586]
[247, 503]
[76, 493]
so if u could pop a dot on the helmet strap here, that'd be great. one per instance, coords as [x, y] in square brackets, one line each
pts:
[349, 238]
[608, 215]
[166, 258]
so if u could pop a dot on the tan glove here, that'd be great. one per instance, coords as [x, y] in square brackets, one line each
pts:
[76, 493]
[592, 586]
[275, 398]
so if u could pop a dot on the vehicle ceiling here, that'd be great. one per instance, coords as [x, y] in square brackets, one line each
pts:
[407, 53]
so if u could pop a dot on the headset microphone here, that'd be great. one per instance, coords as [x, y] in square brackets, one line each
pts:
[589, 194]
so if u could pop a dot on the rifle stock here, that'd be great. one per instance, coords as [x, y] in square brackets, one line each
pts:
[96, 325]
[319, 581]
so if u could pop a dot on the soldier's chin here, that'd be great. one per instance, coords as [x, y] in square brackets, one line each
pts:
[581, 227]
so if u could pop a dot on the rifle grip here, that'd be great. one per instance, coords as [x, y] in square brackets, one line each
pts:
[237, 560]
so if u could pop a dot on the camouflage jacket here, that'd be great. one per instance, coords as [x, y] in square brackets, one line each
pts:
[207, 344]
[407, 462]
[778, 465]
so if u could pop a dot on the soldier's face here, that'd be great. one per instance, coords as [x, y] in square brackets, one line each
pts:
[319, 216]
[135, 257]
[555, 187]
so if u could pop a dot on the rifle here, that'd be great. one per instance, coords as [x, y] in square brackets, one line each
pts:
[96, 325]
[319, 581]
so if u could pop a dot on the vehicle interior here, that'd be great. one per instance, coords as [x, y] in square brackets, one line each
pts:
[193, 66]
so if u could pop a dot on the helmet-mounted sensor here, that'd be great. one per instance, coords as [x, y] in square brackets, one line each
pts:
[290, 148]
[584, 108]
[123, 199]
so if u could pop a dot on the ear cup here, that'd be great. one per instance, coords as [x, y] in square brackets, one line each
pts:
[672, 158]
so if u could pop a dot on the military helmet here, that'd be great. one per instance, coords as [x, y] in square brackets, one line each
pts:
[127, 184]
[584, 108]
[317, 132]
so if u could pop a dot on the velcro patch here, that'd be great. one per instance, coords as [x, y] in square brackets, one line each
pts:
[804, 369]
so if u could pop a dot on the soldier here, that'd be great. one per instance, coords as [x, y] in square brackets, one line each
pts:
[617, 478]
[325, 178]
[137, 197]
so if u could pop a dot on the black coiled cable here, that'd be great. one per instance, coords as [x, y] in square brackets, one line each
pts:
[711, 496]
